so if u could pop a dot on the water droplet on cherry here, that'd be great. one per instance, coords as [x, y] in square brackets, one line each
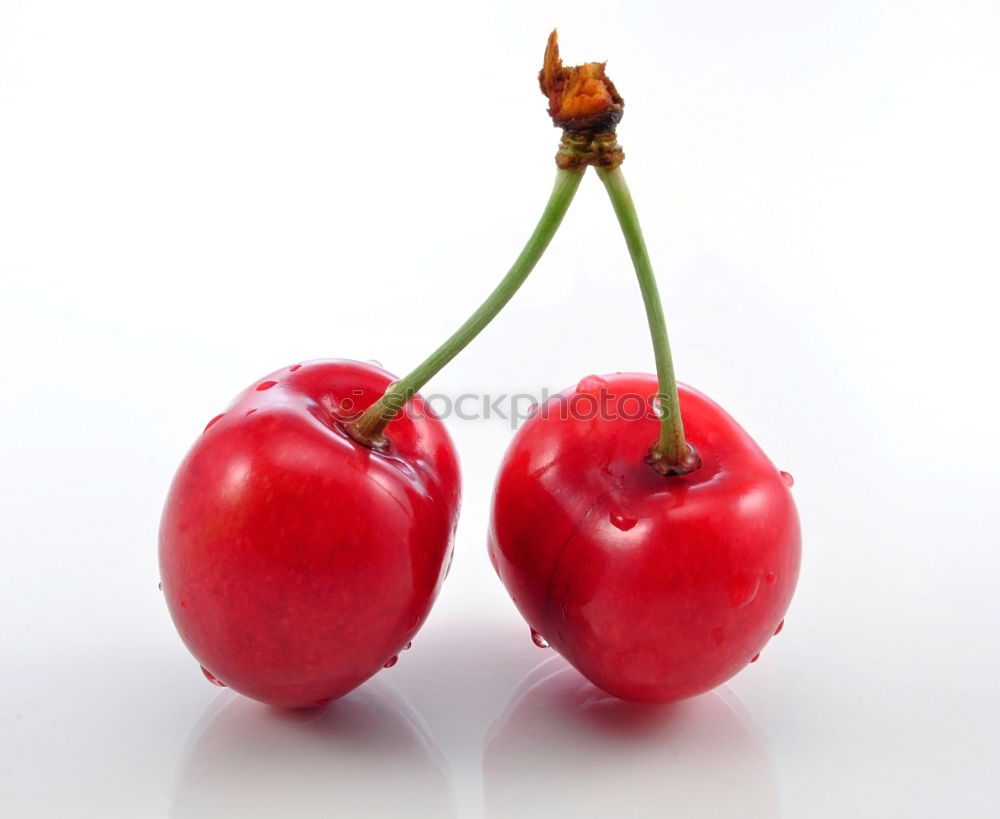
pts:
[391, 661]
[787, 479]
[623, 522]
[265, 385]
[755, 658]
[184, 604]
[592, 384]
[160, 585]
[781, 625]
[538, 640]
[212, 678]
[211, 423]
[374, 363]
[770, 577]
[408, 646]
[292, 369]
[743, 589]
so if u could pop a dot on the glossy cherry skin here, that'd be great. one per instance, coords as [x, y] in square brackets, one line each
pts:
[296, 562]
[655, 588]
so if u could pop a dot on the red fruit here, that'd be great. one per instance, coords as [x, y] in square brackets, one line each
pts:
[655, 588]
[295, 561]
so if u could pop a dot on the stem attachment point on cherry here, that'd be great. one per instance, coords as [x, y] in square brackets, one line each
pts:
[689, 461]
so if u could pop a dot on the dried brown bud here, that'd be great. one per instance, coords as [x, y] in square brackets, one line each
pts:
[582, 99]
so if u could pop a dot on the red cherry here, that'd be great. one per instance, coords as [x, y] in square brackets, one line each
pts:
[674, 603]
[295, 561]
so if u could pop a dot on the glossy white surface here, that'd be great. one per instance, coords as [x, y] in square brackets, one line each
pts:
[185, 205]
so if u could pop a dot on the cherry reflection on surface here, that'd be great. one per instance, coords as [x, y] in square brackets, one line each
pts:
[565, 748]
[367, 754]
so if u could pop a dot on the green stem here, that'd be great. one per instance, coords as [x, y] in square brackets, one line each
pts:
[369, 428]
[671, 454]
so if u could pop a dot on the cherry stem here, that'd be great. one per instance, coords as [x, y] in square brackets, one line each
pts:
[671, 454]
[369, 428]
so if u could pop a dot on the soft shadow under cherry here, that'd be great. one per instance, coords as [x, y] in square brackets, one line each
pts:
[367, 754]
[564, 747]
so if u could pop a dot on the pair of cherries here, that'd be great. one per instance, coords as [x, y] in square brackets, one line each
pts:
[309, 529]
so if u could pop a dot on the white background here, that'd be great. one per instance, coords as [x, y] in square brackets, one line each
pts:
[193, 194]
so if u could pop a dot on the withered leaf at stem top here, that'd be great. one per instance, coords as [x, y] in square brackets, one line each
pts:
[582, 98]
